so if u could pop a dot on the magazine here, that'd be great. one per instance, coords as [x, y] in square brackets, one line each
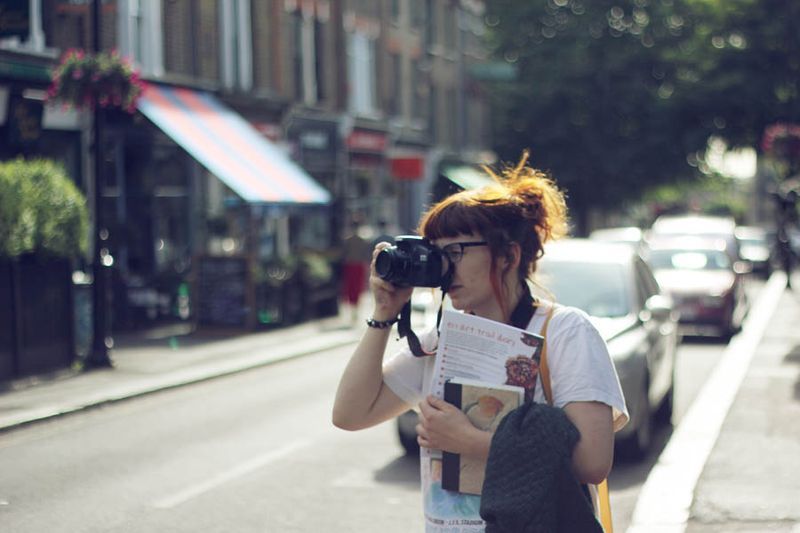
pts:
[472, 348]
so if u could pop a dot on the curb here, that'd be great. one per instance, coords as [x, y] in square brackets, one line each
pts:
[144, 385]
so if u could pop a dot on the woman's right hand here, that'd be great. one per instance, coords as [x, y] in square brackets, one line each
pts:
[389, 299]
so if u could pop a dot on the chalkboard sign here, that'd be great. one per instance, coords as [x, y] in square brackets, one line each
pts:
[221, 290]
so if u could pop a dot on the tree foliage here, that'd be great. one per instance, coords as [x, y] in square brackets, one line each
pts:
[615, 97]
[41, 210]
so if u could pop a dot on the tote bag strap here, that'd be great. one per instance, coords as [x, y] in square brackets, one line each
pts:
[544, 373]
[544, 369]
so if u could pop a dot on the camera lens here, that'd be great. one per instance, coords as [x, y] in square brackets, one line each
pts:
[411, 262]
[384, 263]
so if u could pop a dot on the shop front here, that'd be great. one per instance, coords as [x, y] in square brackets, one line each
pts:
[239, 224]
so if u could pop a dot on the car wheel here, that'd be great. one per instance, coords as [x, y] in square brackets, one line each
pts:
[664, 412]
[635, 446]
[407, 433]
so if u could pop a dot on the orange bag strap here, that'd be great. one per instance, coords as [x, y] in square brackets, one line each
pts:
[544, 369]
[544, 372]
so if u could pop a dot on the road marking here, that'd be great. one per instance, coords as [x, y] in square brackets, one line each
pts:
[229, 475]
[665, 500]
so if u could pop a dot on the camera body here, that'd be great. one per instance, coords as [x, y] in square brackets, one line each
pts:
[412, 262]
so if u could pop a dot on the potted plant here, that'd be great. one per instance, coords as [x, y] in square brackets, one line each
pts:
[43, 228]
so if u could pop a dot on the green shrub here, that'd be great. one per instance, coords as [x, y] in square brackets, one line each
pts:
[41, 210]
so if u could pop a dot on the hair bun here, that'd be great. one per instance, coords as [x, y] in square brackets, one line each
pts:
[541, 201]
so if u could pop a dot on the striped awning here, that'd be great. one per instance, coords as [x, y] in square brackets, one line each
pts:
[229, 147]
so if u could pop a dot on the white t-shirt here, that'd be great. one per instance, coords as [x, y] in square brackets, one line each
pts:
[581, 370]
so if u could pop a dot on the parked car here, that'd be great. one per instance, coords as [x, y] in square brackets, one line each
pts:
[706, 286]
[619, 292]
[617, 289]
[756, 246]
[669, 227]
[630, 235]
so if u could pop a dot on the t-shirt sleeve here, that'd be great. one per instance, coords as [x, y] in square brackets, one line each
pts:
[405, 373]
[581, 369]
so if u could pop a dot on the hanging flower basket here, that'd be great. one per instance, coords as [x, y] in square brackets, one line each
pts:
[106, 79]
[782, 140]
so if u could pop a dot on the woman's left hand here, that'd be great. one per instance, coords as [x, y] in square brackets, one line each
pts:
[444, 427]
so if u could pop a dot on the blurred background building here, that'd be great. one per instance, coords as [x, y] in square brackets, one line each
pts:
[363, 110]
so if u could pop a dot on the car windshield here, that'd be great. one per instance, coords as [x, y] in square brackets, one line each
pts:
[689, 260]
[598, 289]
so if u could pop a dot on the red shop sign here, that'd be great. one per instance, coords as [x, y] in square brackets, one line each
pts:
[407, 168]
[366, 141]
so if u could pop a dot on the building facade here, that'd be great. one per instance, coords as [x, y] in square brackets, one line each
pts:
[371, 100]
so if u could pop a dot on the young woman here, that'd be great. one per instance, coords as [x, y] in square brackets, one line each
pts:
[494, 237]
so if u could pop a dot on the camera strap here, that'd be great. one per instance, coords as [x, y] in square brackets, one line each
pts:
[404, 322]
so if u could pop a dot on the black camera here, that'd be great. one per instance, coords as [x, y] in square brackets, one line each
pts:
[412, 262]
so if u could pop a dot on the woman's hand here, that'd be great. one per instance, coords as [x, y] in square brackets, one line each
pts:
[444, 427]
[389, 299]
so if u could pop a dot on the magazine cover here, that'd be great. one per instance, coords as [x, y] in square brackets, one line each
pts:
[479, 349]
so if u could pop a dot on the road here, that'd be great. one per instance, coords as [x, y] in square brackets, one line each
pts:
[250, 452]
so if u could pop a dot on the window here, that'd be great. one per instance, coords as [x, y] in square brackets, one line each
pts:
[420, 93]
[430, 23]
[191, 44]
[361, 74]
[306, 41]
[141, 34]
[395, 97]
[449, 22]
[237, 57]
[433, 111]
[417, 14]
[67, 25]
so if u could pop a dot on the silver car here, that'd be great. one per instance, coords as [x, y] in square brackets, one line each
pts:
[617, 289]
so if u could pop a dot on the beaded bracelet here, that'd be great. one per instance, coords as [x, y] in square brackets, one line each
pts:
[380, 324]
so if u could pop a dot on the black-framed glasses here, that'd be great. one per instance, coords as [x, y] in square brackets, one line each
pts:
[455, 250]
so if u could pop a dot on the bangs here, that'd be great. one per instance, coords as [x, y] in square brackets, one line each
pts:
[464, 213]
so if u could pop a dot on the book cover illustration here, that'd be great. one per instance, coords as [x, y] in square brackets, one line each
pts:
[522, 369]
[485, 406]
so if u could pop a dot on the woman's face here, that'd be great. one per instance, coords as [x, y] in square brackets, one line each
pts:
[471, 289]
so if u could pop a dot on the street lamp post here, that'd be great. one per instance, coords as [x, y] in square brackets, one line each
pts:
[101, 261]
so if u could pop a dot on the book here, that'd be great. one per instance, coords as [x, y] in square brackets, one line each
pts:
[485, 405]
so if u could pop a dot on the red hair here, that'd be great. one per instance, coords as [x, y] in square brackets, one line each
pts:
[522, 206]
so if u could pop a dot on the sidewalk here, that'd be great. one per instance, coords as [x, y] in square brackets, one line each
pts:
[751, 481]
[733, 463]
[163, 360]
